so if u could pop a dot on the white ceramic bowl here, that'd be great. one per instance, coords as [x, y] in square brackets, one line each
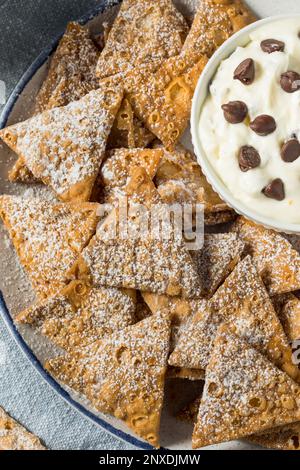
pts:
[241, 38]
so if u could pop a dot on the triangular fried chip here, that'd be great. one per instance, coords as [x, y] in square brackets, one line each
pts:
[218, 257]
[48, 237]
[13, 436]
[216, 21]
[73, 64]
[282, 438]
[243, 302]
[80, 315]
[162, 99]
[276, 260]
[287, 307]
[128, 131]
[143, 32]
[64, 147]
[124, 374]
[115, 171]
[244, 393]
[72, 74]
[139, 261]
[179, 179]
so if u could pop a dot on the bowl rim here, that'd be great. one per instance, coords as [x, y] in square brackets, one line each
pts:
[238, 39]
[4, 311]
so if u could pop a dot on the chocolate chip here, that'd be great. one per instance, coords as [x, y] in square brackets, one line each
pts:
[275, 190]
[290, 81]
[235, 111]
[263, 125]
[272, 45]
[290, 150]
[249, 158]
[245, 72]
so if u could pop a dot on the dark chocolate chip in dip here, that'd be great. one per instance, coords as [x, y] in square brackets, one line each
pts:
[249, 158]
[290, 81]
[290, 151]
[272, 45]
[245, 72]
[235, 111]
[263, 125]
[275, 190]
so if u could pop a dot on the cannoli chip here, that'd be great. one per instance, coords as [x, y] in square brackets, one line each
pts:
[218, 257]
[244, 393]
[162, 99]
[140, 261]
[72, 74]
[215, 22]
[243, 302]
[115, 171]
[48, 237]
[124, 374]
[13, 436]
[287, 307]
[276, 260]
[64, 147]
[282, 438]
[144, 32]
[128, 131]
[80, 315]
[179, 179]
[185, 373]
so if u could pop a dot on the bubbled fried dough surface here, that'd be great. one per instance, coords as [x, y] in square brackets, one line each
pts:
[216, 21]
[141, 261]
[72, 74]
[115, 171]
[179, 179]
[47, 237]
[162, 99]
[80, 315]
[144, 32]
[243, 393]
[124, 374]
[244, 302]
[14, 437]
[276, 260]
[64, 147]
[282, 438]
[287, 307]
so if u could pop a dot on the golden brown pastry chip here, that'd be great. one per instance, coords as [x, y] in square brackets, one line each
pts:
[124, 374]
[144, 32]
[221, 217]
[80, 315]
[287, 307]
[243, 302]
[244, 393]
[13, 436]
[128, 131]
[139, 261]
[179, 179]
[162, 99]
[276, 260]
[218, 257]
[282, 438]
[115, 171]
[214, 22]
[64, 147]
[48, 237]
[72, 74]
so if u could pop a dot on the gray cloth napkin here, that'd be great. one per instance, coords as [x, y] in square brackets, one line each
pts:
[26, 27]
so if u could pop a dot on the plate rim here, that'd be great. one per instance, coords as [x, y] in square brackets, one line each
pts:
[4, 311]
